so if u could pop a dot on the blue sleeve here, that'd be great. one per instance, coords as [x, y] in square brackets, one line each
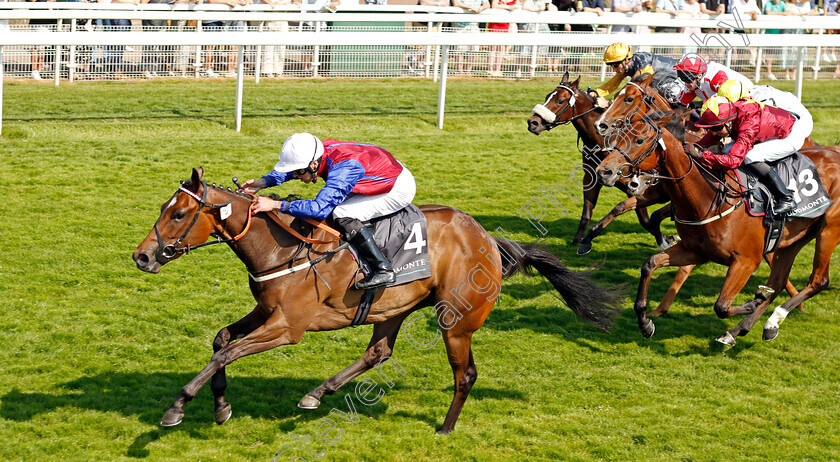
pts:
[341, 179]
[274, 178]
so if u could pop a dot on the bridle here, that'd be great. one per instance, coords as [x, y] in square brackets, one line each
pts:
[551, 117]
[167, 252]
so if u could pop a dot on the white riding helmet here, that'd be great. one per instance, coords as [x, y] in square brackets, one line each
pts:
[299, 150]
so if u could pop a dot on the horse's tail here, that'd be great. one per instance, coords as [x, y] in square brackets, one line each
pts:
[596, 304]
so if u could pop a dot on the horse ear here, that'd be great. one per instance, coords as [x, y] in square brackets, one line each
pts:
[661, 118]
[195, 180]
[648, 78]
[576, 83]
[565, 77]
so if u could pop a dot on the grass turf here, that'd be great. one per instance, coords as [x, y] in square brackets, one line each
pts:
[95, 351]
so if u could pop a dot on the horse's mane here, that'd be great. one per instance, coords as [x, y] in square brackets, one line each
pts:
[676, 126]
[188, 184]
[289, 198]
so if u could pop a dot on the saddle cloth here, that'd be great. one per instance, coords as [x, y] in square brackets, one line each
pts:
[403, 239]
[800, 175]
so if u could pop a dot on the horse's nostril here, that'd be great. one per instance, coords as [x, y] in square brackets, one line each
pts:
[142, 259]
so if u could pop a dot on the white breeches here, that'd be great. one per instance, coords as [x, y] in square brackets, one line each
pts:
[366, 208]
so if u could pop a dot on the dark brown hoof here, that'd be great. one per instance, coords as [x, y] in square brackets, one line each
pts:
[223, 414]
[172, 418]
[770, 334]
[309, 402]
[584, 248]
[726, 339]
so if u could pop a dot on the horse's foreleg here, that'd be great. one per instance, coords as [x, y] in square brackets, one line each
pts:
[673, 290]
[235, 331]
[623, 207]
[677, 255]
[590, 199]
[379, 349]
[655, 227]
[762, 296]
[274, 332]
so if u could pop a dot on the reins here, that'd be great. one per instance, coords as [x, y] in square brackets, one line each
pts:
[168, 252]
[318, 224]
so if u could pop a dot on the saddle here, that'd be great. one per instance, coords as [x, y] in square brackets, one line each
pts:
[800, 175]
[403, 239]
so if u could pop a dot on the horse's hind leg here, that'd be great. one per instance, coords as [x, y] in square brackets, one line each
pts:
[379, 349]
[463, 367]
[762, 296]
[590, 199]
[826, 242]
[218, 383]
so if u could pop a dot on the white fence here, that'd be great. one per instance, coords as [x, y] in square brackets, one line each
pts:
[376, 41]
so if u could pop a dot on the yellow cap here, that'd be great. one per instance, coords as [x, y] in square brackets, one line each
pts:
[618, 51]
[733, 90]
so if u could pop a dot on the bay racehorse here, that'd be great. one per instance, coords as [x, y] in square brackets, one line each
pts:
[631, 105]
[468, 265]
[714, 225]
[569, 104]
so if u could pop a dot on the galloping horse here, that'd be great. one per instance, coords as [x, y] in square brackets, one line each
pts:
[569, 104]
[632, 104]
[714, 225]
[468, 265]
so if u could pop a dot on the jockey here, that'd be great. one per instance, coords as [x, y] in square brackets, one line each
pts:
[734, 90]
[625, 63]
[362, 181]
[703, 79]
[761, 133]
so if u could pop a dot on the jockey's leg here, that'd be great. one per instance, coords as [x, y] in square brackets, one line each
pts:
[360, 236]
[782, 196]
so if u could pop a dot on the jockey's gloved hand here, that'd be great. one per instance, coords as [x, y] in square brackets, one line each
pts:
[693, 150]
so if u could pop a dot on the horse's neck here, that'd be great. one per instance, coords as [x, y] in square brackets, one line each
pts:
[692, 195]
[585, 125]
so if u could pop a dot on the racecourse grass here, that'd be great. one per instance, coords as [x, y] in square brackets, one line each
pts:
[94, 351]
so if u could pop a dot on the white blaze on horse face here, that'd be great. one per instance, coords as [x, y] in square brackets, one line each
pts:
[171, 203]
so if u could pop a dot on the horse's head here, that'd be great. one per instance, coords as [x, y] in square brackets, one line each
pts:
[561, 106]
[636, 99]
[632, 151]
[193, 213]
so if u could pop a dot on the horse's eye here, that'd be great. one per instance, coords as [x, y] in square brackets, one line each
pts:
[640, 141]
[628, 100]
[178, 215]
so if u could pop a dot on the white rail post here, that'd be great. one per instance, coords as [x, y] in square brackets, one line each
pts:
[427, 62]
[197, 66]
[817, 57]
[57, 58]
[240, 78]
[757, 77]
[258, 58]
[2, 66]
[316, 53]
[799, 70]
[71, 61]
[442, 86]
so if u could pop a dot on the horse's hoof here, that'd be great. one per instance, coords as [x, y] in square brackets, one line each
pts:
[649, 329]
[309, 402]
[223, 414]
[770, 334]
[172, 418]
[726, 339]
[584, 248]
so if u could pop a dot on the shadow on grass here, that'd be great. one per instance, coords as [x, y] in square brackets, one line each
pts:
[147, 396]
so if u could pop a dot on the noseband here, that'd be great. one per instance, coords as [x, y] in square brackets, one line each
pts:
[167, 252]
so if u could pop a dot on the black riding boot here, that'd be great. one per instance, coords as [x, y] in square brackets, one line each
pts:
[360, 236]
[382, 272]
[782, 196]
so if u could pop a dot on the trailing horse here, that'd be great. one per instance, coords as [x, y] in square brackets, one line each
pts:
[569, 104]
[315, 291]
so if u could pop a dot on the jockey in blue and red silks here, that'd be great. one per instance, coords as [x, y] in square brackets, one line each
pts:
[363, 182]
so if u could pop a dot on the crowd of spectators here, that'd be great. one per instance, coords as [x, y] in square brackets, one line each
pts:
[169, 60]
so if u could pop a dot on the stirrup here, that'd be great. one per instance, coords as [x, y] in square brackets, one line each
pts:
[376, 280]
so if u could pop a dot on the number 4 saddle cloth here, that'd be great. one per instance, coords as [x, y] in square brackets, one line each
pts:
[403, 239]
[800, 175]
